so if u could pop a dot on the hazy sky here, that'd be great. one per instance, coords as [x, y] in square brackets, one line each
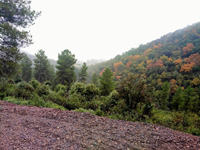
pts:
[101, 29]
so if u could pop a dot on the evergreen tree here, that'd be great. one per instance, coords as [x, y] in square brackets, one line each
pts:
[177, 99]
[52, 74]
[95, 79]
[83, 73]
[26, 65]
[15, 16]
[164, 95]
[191, 100]
[65, 68]
[107, 82]
[42, 66]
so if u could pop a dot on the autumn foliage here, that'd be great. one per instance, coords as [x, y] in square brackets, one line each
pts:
[116, 65]
[178, 62]
[195, 58]
[188, 48]
[128, 64]
[173, 85]
[158, 63]
[187, 67]
[101, 73]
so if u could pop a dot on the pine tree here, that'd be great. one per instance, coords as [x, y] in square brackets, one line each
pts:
[191, 100]
[65, 68]
[26, 65]
[15, 16]
[107, 82]
[164, 95]
[177, 99]
[83, 73]
[42, 67]
[95, 79]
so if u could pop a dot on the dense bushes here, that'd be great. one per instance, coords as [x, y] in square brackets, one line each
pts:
[132, 100]
[33, 93]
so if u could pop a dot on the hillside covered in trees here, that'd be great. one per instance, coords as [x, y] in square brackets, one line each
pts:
[169, 65]
[158, 82]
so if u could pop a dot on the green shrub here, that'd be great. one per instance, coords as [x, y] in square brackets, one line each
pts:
[74, 101]
[77, 88]
[186, 122]
[91, 92]
[119, 108]
[83, 96]
[24, 90]
[43, 90]
[56, 98]
[7, 88]
[109, 101]
[60, 87]
[35, 100]
[99, 112]
[162, 117]
[35, 83]
[48, 83]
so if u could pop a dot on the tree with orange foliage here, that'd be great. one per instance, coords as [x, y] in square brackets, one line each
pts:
[101, 73]
[128, 64]
[178, 62]
[194, 58]
[116, 65]
[173, 85]
[158, 63]
[187, 67]
[149, 61]
[136, 57]
[118, 77]
[170, 59]
[189, 47]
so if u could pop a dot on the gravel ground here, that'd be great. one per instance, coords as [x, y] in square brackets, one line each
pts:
[34, 128]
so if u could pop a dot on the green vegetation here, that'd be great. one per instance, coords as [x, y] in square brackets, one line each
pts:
[15, 17]
[157, 83]
[42, 69]
[65, 68]
[83, 73]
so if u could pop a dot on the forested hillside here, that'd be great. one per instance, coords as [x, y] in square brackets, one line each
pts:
[172, 61]
[176, 52]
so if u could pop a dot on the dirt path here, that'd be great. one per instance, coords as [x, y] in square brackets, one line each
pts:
[33, 128]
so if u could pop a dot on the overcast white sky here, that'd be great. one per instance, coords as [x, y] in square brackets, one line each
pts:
[101, 29]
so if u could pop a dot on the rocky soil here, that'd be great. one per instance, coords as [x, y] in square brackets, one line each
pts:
[34, 128]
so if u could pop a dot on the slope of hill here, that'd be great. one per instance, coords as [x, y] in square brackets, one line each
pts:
[174, 58]
[24, 127]
[173, 52]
